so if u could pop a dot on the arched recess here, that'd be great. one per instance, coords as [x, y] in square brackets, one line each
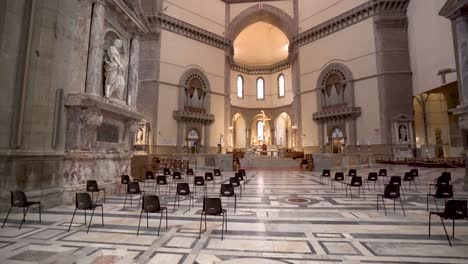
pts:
[239, 131]
[283, 129]
[336, 86]
[268, 14]
[194, 98]
[266, 137]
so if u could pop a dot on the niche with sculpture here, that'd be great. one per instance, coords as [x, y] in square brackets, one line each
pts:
[115, 63]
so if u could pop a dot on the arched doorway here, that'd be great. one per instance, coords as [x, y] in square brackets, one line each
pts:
[239, 131]
[261, 130]
[337, 139]
[283, 131]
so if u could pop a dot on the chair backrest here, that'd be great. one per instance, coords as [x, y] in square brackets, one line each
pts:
[133, 187]
[91, 186]
[83, 201]
[183, 188]
[208, 176]
[352, 172]
[176, 175]
[167, 171]
[124, 179]
[151, 204]
[415, 172]
[149, 175]
[239, 176]
[392, 191]
[18, 198]
[326, 173]
[234, 181]
[383, 172]
[444, 179]
[444, 191]
[161, 180]
[372, 176]
[408, 176]
[395, 180]
[199, 181]
[242, 171]
[189, 171]
[356, 181]
[227, 189]
[212, 206]
[339, 176]
[456, 209]
[217, 172]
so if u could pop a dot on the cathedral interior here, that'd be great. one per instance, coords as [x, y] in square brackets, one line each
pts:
[234, 131]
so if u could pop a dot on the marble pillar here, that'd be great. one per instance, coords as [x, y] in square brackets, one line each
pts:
[457, 12]
[133, 73]
[95, 53]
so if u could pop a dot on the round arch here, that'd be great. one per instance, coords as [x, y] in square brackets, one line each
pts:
[269, 14]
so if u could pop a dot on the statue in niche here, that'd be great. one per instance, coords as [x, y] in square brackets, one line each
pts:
[114, 67]
[139, 136]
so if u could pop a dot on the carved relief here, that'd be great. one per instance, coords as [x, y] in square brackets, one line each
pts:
[90, 119]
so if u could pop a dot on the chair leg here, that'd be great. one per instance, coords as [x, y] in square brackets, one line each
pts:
[201, 219]
[8, 214]
[384, 207]
[40, 213]
[363, 193]
[430, 217]
[446, 234]
[427, 203]
[222, 229]
[226, 230]
[453, 228]
[235, 203]
[25, 212]
[377, 203]
[71, 222]
[85, 222]
[437, 207]
[402, 208]
[139, 223]
[160, 220]
[205, 222]
[102, 216]
[90, 221]
[166, 218]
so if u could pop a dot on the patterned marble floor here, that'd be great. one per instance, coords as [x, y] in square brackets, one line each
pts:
[282, 217]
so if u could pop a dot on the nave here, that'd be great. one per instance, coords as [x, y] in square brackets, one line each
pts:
[282, 217]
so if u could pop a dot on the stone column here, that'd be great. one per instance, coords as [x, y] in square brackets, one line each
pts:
[458, 13]
[133, 73]
[96, 50]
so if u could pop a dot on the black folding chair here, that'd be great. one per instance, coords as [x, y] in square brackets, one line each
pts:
[241, 178]
[390, 192]
[133, 188]
[325, 174]
[177, 177]
[18, 199]
[339, 177]
[183, 189]
[124, 180]
[396, 180]
[161, 180]
[356, 182]
[243, 173]
[372, 177]
[200, 182]
[213, 206]
[217, 173]
[415, 173]
[149, 176]
[151, 205]
[92, 187]
[455, 210]
[209, 177]
[442, 192]
[444, 179]
[166, 172]
[190, 172]
[409, 178]
[383, 174]
[234, 181]
[227, 190]
[84, 202]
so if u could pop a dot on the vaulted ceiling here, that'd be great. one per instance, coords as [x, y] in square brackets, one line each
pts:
[260, 44]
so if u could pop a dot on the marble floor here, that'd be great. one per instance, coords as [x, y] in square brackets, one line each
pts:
[282, 217]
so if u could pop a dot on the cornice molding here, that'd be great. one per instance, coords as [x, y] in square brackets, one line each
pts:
[188, 30]
[256, 70]
[350, 18]
[453, 9]
[337, 114]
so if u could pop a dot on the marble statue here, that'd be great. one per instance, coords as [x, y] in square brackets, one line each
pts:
[403, 134]
[114, 67]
